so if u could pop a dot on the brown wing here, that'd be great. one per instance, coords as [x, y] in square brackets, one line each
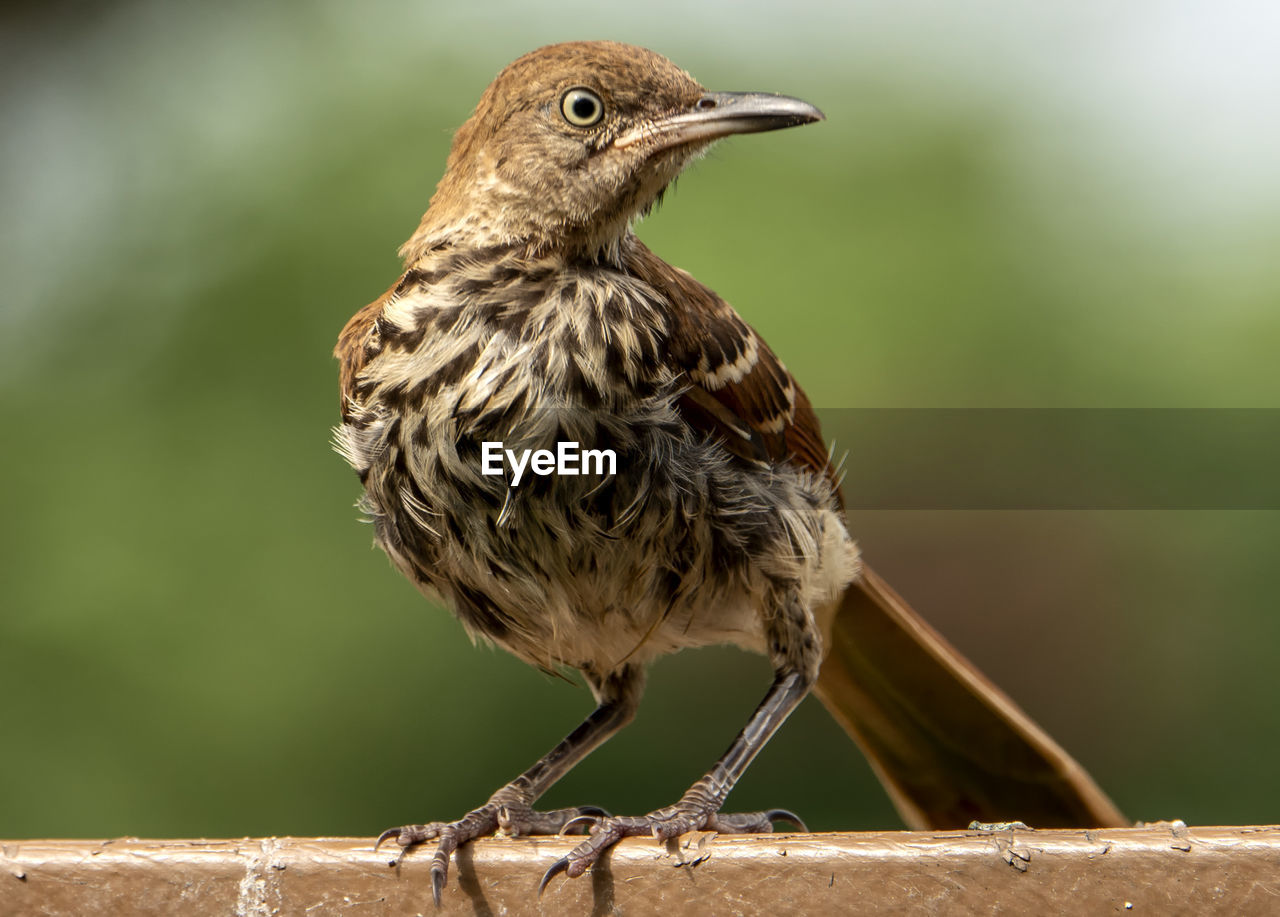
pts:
[739, 390]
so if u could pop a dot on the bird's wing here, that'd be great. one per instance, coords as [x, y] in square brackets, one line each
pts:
[739, 391]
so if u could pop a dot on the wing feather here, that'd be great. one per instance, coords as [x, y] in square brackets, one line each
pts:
[739, 391]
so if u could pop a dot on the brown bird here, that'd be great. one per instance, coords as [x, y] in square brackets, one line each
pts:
[529, 317]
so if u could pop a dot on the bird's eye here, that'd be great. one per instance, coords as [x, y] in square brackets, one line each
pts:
[582, 107]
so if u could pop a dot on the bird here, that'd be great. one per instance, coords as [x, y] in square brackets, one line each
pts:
[531, 322]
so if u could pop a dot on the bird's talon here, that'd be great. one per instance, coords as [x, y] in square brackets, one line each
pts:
[559, 866]
[438, 878]
[788, 816]
[505, 820]
[588, 819]
[402, 836]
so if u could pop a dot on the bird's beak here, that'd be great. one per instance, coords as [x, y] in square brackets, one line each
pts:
[718, 114]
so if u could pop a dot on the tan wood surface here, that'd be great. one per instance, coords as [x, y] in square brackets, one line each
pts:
[1157, 870]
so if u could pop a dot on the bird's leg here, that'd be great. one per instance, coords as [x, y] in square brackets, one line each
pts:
[796, 651]
[700, 806]
[509, 811]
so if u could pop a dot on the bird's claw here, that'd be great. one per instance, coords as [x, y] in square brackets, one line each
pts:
[753, 822]
[605, 830]
[408, 835]
[557, 867]
[439, 875]
[663, 825]
[501, 816]
[384, 837]
[590, 818]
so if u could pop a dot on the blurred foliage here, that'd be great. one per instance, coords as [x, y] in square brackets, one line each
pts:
[196, 637]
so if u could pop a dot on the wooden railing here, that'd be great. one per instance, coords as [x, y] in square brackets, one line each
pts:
[1156, 870]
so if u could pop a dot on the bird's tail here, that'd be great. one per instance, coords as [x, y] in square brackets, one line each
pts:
[949, 746]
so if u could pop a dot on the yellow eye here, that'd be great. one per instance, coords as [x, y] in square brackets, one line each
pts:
[582, 107]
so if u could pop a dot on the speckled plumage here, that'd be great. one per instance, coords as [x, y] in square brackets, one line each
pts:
[530, 314]
[674, 550]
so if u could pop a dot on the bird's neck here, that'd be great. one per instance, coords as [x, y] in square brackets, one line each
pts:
[477, 205]
[604, 244]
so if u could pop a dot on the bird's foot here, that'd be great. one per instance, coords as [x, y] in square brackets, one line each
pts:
[686, 815]
[502, 817]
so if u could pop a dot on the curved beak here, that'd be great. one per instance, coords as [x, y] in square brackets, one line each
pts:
[718, 114]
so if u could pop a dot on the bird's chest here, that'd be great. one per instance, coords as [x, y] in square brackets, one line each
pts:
[523, 457]
[503, 421]
[494, 385]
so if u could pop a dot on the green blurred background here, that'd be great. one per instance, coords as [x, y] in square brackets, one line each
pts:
[1048, 205]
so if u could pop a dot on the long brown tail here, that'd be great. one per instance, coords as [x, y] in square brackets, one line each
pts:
[949, 746]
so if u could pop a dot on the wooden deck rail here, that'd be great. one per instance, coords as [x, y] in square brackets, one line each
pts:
[1157, 870]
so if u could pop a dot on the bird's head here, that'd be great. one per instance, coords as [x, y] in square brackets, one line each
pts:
[574, 141]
